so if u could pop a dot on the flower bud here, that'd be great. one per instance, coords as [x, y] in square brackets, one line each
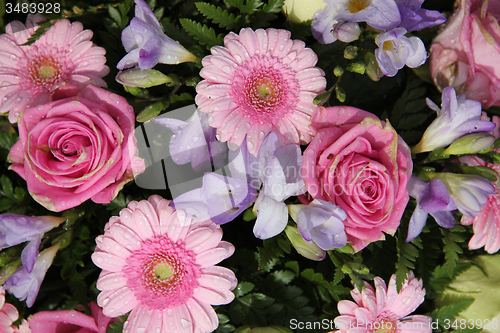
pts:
[304, 248]
[142, 78]
[470, 144]
[351, 52]
[347, 32]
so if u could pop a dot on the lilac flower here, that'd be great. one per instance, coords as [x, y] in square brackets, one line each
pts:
[16, 229]
[194, 141]
[321, 222]
[278, 168]
[456, 118]
[432, 198]
[395, 50]
[468, 192]
[222, 197]
[146, 43]
[414, 18]
[25, 285]
[380, 14]
[275, 172]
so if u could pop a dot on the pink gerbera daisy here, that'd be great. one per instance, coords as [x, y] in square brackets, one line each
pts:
[384, 309]
[261, 81]
[30, 74]
[160, 264]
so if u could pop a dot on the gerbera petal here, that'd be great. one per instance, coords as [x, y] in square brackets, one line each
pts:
[204, 317]
[111, 281]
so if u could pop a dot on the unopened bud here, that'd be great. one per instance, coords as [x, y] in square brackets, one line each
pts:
[470, 144]
[142, 78]
[307, 249]
[351, 52]
[358, 67]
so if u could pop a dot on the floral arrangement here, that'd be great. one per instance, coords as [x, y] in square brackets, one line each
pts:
[250, 166]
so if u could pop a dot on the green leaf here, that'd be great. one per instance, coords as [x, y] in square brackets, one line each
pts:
[274, 6]
[115, 15]
[243, 288]
[407, 255]
[451, 311]
[285, 277]
[234, 3]
[202, 33]
[117, 326]
[451, 248]
[218, 15]
[273, 249]
[251, 6]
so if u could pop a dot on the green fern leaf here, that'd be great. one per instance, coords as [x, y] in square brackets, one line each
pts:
[202, 33]
[218, 15]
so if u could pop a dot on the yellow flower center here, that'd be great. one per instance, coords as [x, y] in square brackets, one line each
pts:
[384, 326]
[388, 45]
[163, 272]
[46, 72]
[355, 6]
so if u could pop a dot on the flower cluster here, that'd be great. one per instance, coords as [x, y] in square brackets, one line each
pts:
[396, 18]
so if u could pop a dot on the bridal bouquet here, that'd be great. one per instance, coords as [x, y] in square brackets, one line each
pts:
[250, 166]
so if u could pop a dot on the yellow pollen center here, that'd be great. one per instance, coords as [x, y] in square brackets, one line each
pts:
[388, 45]
[383, 326]
[46, 72]
[263, 91]
[163, 272]
[355, 6]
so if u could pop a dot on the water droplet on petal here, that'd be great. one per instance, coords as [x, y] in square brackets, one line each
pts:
[185, 323]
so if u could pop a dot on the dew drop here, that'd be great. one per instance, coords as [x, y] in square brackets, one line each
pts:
[281, 47]
[105, 302]
[226, 69]
[250, 145]
[261, 135]
[185, 323]
[99, 260]
[140, 330]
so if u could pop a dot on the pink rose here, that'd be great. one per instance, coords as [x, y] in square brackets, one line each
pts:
[361, 165]
[466, 53]
[77, 148]
[70, 321]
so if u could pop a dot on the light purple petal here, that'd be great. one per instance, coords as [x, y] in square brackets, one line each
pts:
[225, 197]
[347, 32]
[414, 18]
[417, 54]
[150, 53]
[192, 203]
[417, 223]
[30, 252]
[128, 40]
[326, 239]
[16, 229]
[444, 219]
[272, 217]
[436, 197]
[26, 285]
[380, 14]
[323, 24]
[130, 60]
[144, 13]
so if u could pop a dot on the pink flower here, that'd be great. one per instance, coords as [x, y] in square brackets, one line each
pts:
[69, 321]
[486, 224]
[361, 165]
[261, 81]
[8, 314]
[466, 54]
[30, 74]
[158, 263]
[77, 148]
[384, 309]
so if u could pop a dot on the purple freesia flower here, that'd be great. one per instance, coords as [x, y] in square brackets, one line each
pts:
[222, 197]
[278, 169]
[194, 141]
[396, 50]
[25, 285]
[380, 14]
[146, 43]
[432, 198]
[322, 222]
[456, 118]
[414, 18]
[16, 229]
[468, 192]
